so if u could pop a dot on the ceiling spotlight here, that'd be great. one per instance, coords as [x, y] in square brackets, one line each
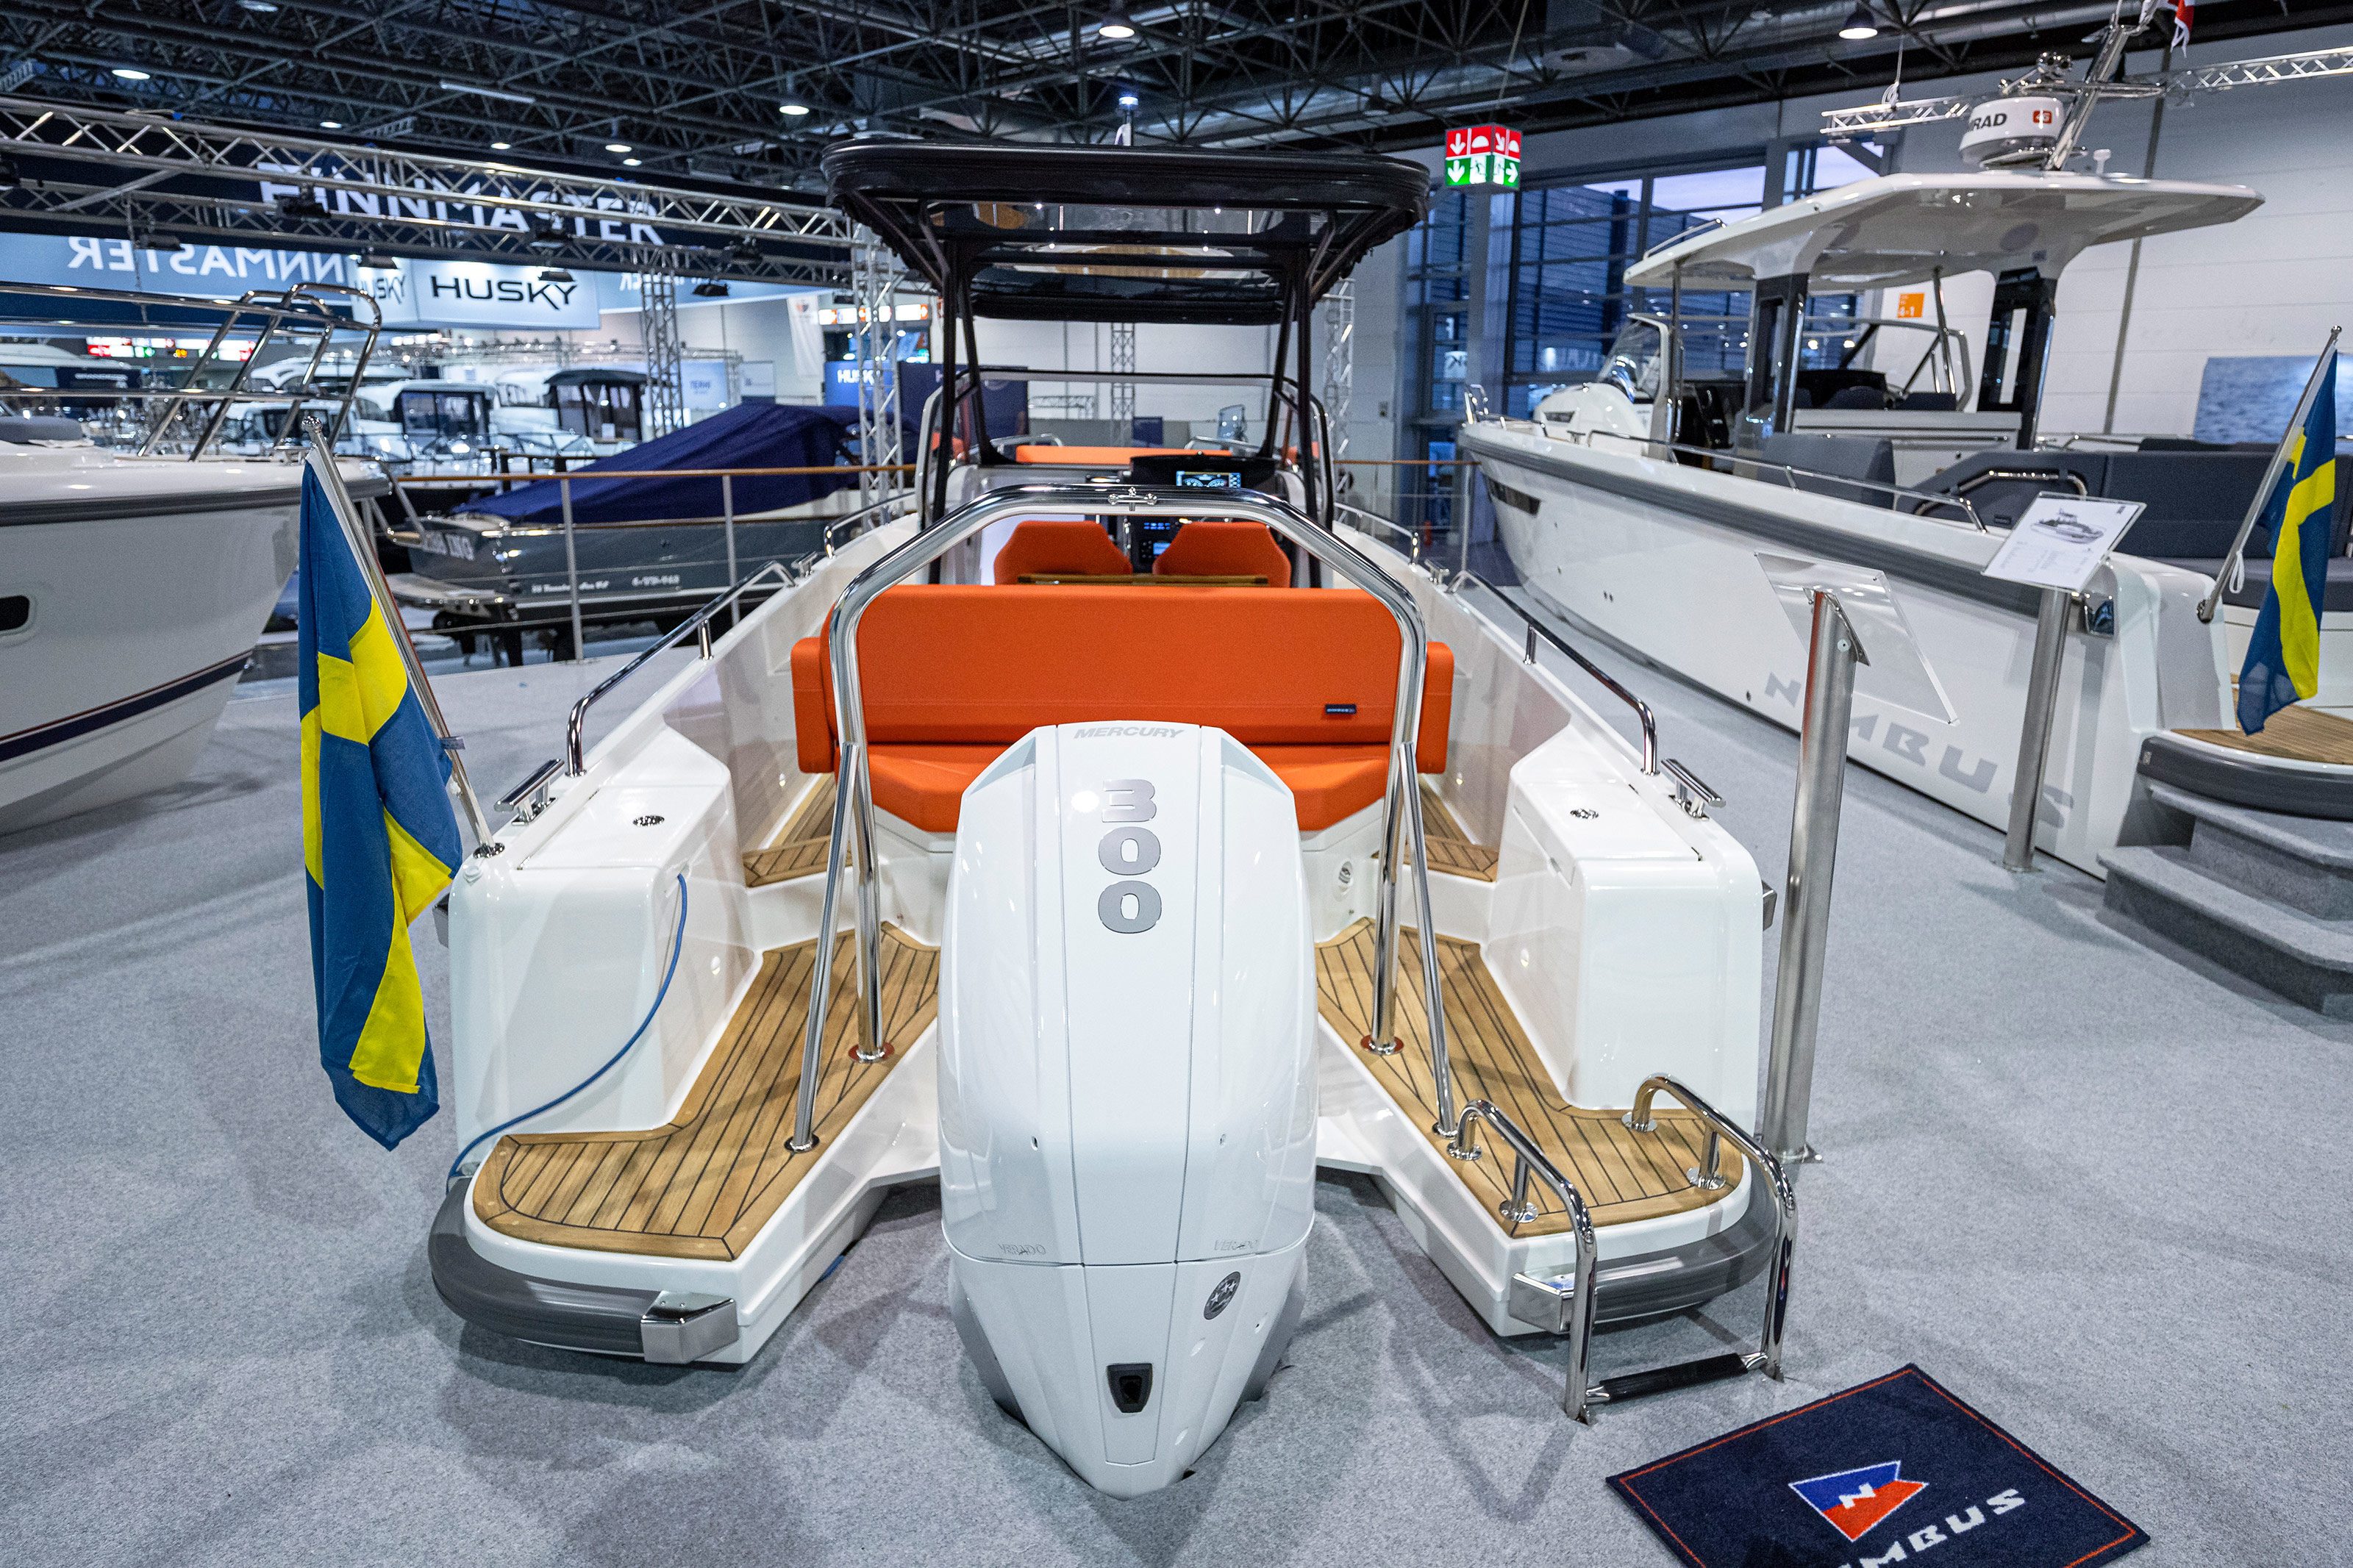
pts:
[795, 110]
[617, 147]
[260, 7]
[547, 237]
[745, 253]
[501, 146]
[301, 204]
[1859, 25]
[1376, 104]
[167, 244]
[374, 260]
[632, 163]
[127, 74]
[1115, 26]
[710, 289]
[10, 178]
[556, 275]
[1127, 99]
[331, 125]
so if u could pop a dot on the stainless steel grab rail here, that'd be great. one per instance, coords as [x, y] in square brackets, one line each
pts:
[575, 753]
[1790, 472]
[1768, 1357]
[1984, 477]
[1544, 1297]
[1577, 1394]
[853, 814]
[1609, 682]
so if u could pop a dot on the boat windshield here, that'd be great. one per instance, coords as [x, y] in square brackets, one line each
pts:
[1636, 359]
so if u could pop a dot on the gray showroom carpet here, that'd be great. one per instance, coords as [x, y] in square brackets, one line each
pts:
[2095, 1188]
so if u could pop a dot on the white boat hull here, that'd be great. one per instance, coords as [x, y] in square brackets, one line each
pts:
[149, 582]
[1663, 558]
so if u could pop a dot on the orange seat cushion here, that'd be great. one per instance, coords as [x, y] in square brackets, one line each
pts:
[1091, 457]
[952, 675]
[1225, 549]
[1063, 546]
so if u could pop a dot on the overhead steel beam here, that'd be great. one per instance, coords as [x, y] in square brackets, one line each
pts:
[243, 184]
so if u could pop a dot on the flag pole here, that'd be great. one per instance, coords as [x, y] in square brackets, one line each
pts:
[321, 461]
[2262, 498]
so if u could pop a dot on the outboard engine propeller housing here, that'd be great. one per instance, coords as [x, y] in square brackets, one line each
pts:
[1127, 1088]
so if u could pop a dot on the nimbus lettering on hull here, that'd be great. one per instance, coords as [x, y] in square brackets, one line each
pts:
[1904, 743]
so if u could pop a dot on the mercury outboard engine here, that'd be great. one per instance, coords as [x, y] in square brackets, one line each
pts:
[1127, 1088]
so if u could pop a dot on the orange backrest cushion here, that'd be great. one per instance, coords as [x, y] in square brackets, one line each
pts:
[1060, 545]
[958, 665]
[1225, 549]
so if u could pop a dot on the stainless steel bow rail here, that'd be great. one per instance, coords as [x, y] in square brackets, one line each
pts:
[1566, 1307]
[305, 307]
[853, 812]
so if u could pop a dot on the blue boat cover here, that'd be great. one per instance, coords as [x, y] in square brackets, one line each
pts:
[748, 436]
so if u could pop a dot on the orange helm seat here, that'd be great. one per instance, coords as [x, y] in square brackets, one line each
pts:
[1225, 549]
[1070, 546]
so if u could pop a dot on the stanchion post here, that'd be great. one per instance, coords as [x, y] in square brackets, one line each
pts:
[572, 567]
[1832, 654]
[727, 514]
[2034, 736]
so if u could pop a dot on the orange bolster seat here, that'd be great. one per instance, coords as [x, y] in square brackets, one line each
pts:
[1070, 546]
[950, 675]
[1210, 549]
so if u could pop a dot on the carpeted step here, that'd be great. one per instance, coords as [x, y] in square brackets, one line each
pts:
[2302, 956]
[2304, 862]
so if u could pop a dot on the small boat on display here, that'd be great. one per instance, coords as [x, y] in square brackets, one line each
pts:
[1186, 843]
[691, 512]
[132, 588]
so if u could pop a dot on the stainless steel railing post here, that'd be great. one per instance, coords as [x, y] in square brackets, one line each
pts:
[571, 566]
[1813, 856]
[2034, 736]
[727, 515]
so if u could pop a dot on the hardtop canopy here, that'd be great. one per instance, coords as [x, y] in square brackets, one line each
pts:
[1905, 229]
[1120, 234]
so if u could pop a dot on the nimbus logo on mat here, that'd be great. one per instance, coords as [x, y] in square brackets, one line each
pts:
[1851, 1501]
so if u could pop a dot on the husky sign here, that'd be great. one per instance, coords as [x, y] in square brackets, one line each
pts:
[1482, 155]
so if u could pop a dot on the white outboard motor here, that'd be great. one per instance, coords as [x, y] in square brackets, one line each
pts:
[1127, 1088]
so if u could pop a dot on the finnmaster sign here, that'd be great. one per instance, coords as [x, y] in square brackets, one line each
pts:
[1482, 155]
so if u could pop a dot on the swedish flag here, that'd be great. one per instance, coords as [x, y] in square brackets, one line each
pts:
[2284, 659]
[379, 840]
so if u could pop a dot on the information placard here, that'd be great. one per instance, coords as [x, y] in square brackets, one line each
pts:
[2060, 540]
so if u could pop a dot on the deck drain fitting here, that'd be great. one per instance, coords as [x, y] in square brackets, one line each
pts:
[650, 819]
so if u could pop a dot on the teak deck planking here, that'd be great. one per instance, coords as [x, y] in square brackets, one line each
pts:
[1451, 849]
[799, 849]
[703, 1185]
[1623, 1175]
[2294, 734]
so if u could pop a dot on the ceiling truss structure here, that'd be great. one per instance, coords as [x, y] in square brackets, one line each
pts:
[76, 169]
[695, 90]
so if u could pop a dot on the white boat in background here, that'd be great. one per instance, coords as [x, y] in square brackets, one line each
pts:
[131, 590]
[132, 587]
[1640, 504]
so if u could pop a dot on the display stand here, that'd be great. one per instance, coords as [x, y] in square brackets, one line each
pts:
[1850, 619]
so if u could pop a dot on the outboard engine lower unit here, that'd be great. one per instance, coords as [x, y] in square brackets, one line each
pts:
[1127, 1088]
